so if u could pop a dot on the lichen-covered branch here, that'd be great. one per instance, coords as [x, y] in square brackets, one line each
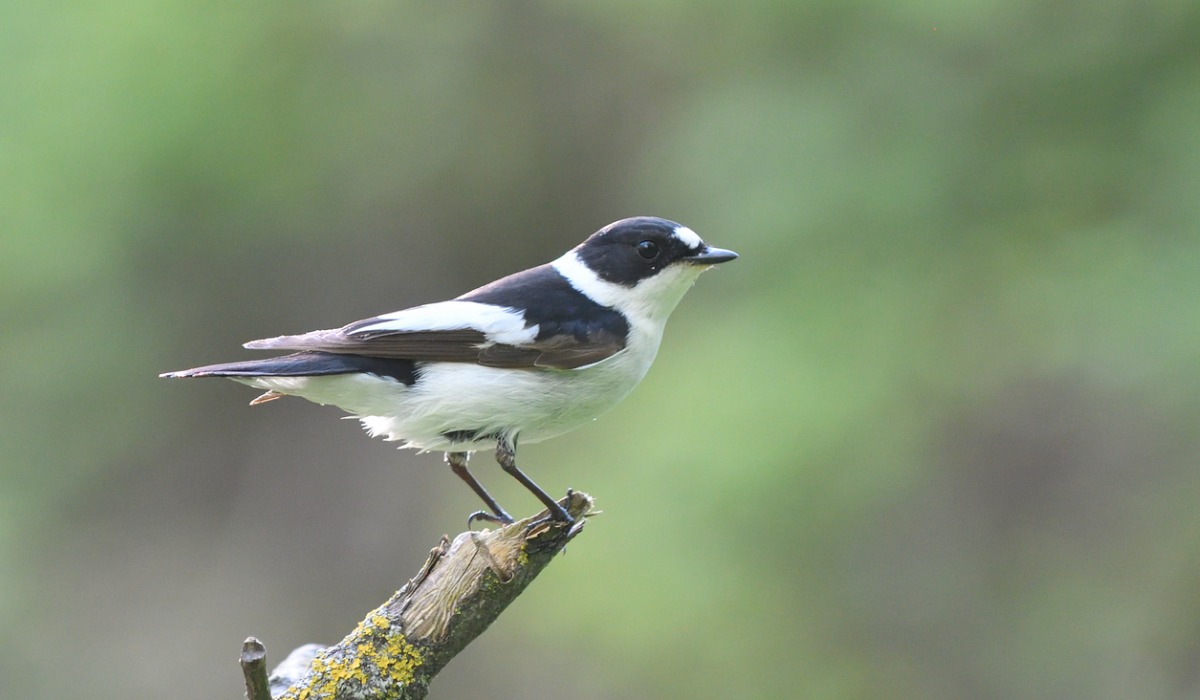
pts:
[397, 650]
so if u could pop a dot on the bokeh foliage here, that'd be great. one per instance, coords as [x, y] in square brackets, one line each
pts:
[934, 435]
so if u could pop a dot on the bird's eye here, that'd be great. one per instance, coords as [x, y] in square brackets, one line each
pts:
[648, 249]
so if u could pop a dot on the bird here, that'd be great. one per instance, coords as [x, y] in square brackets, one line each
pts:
[525, 358]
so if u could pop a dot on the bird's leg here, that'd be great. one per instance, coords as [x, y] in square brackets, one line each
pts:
[458, 465]
[506, 455]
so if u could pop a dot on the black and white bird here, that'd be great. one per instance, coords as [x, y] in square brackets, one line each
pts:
[525, 358]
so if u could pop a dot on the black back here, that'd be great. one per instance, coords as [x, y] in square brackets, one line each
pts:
[550, 301]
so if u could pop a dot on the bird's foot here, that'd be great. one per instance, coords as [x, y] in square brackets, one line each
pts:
[500, 518]
[559, 512]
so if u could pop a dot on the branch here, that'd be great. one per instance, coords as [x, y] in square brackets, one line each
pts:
[397, 650]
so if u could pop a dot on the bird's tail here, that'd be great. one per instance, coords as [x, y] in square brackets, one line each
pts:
[306, 364]
[301, 364]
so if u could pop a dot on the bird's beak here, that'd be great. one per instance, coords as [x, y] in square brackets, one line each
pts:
[711, 256]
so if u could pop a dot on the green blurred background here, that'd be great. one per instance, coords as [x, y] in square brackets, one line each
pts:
[935, 435]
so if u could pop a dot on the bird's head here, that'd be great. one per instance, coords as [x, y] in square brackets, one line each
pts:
[641, 266]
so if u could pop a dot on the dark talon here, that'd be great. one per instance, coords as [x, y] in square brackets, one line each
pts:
[570, 497]
[561, 515]
[502, 519]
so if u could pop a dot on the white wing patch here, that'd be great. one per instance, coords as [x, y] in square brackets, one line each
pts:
[499, 324]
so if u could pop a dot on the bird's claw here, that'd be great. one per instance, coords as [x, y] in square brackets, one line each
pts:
[560, 514]
[557, 514]
[499, 519]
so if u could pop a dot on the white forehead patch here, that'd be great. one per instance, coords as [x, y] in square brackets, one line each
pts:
[688, 237]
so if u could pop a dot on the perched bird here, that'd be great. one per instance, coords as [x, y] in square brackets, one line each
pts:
[527, 357]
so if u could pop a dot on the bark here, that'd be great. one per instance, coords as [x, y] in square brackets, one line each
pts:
[400, 646]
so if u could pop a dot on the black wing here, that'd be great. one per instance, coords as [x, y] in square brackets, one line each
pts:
[531, 319]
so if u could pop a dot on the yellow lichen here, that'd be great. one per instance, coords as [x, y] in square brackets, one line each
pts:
[381, 653]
